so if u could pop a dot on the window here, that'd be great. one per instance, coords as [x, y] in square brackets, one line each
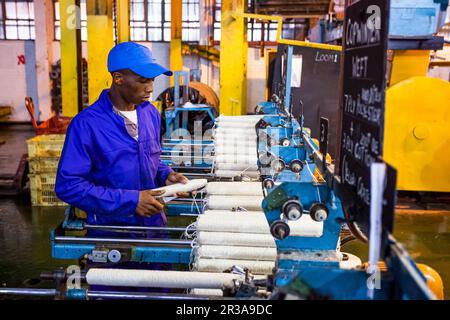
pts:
[150, 20]
[83, 20]
[291, 27]
[17, 20]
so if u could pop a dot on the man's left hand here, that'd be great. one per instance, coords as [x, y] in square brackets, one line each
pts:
[176, 177]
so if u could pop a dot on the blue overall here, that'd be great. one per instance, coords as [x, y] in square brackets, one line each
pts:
[102, 168]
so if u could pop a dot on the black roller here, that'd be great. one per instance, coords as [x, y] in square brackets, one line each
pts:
[318, 212]
[280, 230]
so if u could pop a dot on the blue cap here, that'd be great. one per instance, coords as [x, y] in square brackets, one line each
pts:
[137, 58]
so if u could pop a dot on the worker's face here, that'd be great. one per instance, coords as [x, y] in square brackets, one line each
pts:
[133, 88]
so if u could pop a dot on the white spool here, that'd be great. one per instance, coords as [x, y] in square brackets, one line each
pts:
[235, 239]
[236, 144]
[191, 185]
[237, 253]
[243, 132]
[236, 173]
[234, 138]
[235, 149]
[237, 159]
[160, 279]
[236, 166]
[306, 227]
[230, 202]
[237, 124]
[219, 265]
[206, 292]
[228, 216]
[246, 118]
[229, 223]
[231, 188]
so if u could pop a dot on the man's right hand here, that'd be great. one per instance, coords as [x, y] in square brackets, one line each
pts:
[148, 205]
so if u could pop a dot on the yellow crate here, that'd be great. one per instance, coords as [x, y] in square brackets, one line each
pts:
[48, 164]
[42, 187]
[48, 145]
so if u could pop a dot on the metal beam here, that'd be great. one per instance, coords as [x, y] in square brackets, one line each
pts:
[43, 15]
[233, 58]
[176, 58]
[71, 59]
[100, 41]
[123, 20]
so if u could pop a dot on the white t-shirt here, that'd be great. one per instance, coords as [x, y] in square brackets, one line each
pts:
[132, 116]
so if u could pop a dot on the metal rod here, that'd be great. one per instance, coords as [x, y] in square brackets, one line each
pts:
[144, 295]
[111, 240]
[90, 226]
[29, 292]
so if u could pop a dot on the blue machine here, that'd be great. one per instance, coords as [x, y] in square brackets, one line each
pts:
[309, 266]
[182, 150]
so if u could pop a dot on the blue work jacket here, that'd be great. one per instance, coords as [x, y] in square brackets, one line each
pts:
[102, 168]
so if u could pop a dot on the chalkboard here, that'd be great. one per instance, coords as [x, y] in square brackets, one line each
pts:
[318, 93]
[363, 101]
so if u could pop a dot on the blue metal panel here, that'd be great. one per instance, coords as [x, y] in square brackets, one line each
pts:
[173, 209]
[70, 250]
[76, 294]
[307, 194]
[161, 254]
[287, 98]
[336, 283]
[413, 18]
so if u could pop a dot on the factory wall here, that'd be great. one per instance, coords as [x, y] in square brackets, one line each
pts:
[18, 76]
[18, 73]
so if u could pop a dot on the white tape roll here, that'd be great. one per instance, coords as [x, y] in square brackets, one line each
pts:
[237, 124]
[237, 253]
[235, 149]
[234, 138]
[306, 227]
[246, 118]
[235, 239]
[235, 188]
[173, 189]
[243, 132]
[237, 159]
[236, 166]
[159, 279]
[219, 265]
[206, 292]
[237, 173]
[230, 202]
[225, 222]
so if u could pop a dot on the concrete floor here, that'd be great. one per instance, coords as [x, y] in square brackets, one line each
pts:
[25, 231]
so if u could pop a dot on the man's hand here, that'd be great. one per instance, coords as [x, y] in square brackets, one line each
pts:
[148, 205]
[176, 177]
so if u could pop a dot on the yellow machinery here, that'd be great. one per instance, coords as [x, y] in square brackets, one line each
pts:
[417, 124]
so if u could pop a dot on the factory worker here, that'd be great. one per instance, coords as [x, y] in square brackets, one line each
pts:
[111, 155]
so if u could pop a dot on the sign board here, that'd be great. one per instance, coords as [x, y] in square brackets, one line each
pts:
[363, 101]
[315, 87]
